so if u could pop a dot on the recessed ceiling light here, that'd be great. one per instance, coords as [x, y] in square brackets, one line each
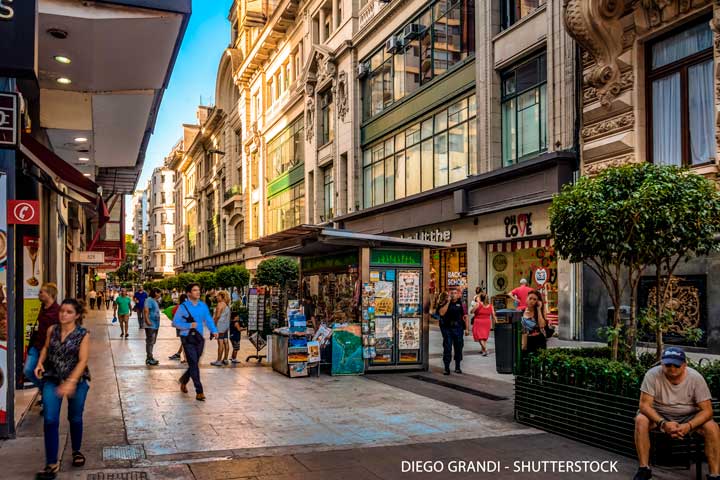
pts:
[86, 174]
[62, 59]
[57, 33]
[64, 81]
[80, 139]
[84, 159]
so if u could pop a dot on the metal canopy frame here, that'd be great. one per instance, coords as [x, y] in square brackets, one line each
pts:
[311, 240]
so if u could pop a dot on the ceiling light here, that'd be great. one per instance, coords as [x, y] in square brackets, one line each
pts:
[62, 59]
[64, 81]
[57, 33]
[81, 139]
[86, 174]
[84, 159]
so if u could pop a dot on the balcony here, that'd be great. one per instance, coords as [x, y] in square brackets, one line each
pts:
[370, 10]
[233, 197]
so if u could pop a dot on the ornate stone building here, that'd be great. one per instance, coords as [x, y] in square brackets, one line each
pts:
[650, 94]
[161, 222]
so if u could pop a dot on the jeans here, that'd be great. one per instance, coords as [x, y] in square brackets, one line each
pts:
[30, 363]
[52, 404]
[193, 353]
[150, 339]
[453, 339]
[141, 318]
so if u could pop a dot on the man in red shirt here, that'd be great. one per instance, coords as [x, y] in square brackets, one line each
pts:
[48, 316]
[520, 294]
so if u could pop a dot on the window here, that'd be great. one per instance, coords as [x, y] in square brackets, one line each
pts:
[286, 209]
[162, 196]
[271, 90]
[297, 61]
[285, 150]
[440, 37]
[436, 151]
[328, 193]
[327, 117]
[681, 110]
[163, 218]
[513, 10]
[524, 111]
[287, 69]
[162, 180]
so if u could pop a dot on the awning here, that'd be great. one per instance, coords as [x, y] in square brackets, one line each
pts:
[82, 188]
[307, 240]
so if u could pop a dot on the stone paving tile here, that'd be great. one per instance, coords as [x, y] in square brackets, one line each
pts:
[246, 467]
[352, 473]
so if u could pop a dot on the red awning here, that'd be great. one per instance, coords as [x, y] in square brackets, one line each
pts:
[59, 170]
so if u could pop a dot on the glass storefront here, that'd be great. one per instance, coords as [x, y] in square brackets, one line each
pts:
[534, 260]
[285, 150]
[448, 270]
[286, 209]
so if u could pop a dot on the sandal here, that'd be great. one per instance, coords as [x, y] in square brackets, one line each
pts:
[49, 472]
[78, 459]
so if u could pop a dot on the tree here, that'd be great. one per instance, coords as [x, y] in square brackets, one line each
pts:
[206, 280]
[679, 213]
[232, 276]
[594, 221]
[276, 272]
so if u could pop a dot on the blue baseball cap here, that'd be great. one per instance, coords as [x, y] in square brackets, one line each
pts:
[674, 356]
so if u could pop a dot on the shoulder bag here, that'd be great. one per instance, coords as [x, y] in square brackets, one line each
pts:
[193, 337]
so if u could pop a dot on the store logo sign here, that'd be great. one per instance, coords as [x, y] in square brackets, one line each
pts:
[436, 235]
[6, 10]
[518, 225]
[541, 276]
[23, 212]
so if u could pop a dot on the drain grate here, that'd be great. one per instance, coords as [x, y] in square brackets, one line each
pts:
[118, 476]
[459, 388]
[123, 452]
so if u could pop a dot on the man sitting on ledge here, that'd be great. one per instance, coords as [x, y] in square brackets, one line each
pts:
[675, 400]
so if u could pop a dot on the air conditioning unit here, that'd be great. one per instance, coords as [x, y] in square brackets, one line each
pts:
[363, 69]
[393, 44]
[412, 31]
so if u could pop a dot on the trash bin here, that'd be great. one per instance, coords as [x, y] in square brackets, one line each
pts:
[506, 345]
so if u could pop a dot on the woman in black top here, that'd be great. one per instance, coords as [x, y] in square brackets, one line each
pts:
[62, 366]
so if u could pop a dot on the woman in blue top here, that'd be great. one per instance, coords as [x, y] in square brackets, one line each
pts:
[152, 325]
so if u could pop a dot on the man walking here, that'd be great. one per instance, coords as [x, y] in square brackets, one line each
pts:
[453, 324]
[121, 310]
[676, 400]
[92, 296]
[189, 318]
[152, 324]
[139, 299]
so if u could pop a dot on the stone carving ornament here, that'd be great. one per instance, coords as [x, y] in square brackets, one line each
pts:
[595, 25]
[309, 113]
[342, 95]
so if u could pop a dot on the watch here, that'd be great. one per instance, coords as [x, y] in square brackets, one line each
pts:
[661, 423]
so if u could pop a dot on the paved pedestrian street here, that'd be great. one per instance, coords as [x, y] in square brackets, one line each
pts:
[259, 424]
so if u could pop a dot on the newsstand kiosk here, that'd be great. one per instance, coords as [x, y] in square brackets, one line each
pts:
[366, 292]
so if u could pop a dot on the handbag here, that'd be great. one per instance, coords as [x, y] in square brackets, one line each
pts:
[193, 337]
[549, 331]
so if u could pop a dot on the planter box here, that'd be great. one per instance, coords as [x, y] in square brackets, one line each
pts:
[599, 419]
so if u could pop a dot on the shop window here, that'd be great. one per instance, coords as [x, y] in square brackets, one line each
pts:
[286, 150]
[682, 130]
[436, 151]
[513, 10]
[440, 36]
[327, 117]
[328, 193]
[286, 209]
[448, 270]
[524, 114]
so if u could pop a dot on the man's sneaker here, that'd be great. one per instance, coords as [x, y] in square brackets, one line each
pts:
[643, 473]
[174, 356]
[712, 477]
[225, 362]
[153, 362]
[234, 361]
[446, 372]
[457, 370]
[216, 363]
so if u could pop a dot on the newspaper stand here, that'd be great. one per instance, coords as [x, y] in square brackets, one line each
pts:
[256, 322]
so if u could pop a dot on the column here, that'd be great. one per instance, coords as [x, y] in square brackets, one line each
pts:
[335, 14]
[321, 25]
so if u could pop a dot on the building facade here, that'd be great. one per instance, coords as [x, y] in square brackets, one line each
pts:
[651, 95]
[139, 209]
[161, 223]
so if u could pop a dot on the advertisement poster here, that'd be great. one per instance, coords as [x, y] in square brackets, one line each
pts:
[409, 287]
[383, 290]
[409, 334]
[383, 327]
[313, 351]
[3, 300]
[31, 287]
[347, 350]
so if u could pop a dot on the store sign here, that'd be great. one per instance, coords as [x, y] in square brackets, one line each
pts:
[18, 38]
[23, 212]
[9, 120]
[396, 257]
[88, 258]
[518, 225]
[541, 276]
[436, 235]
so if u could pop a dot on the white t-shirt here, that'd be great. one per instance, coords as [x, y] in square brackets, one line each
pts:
[675, 402]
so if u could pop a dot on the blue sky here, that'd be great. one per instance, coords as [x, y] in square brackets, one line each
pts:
[207, 36]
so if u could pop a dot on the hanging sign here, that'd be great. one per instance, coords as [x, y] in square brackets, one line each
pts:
[18, 38]
[9, 120]
[541, 276]
[23, 212]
